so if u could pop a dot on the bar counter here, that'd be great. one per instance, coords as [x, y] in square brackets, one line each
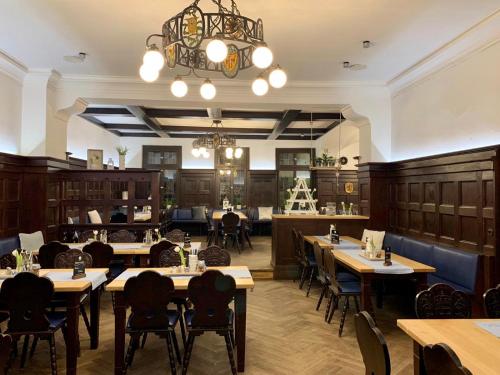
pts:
[283, 254]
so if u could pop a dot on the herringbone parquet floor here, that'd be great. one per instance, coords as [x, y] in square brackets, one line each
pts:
[285, 335]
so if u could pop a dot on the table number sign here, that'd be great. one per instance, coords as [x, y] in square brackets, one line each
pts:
[79, 269]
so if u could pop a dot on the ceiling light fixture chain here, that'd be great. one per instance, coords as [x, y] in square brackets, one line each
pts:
[223, 42]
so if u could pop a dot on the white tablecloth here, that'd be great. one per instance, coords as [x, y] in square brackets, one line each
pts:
[95, 277]
[236, 273]
[378, 266]
[343, 245]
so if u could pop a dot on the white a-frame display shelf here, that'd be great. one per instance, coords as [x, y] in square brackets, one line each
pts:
[301, 200]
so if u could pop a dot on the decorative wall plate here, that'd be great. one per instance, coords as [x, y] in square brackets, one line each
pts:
[349, 187]
[343, 160]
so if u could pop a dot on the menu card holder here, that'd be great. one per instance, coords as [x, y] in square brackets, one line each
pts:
[79, 269]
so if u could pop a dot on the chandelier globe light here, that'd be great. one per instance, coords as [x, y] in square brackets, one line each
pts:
[277, 78]
[224, 42]
[260, 87]
[238, 153]
[179, 88]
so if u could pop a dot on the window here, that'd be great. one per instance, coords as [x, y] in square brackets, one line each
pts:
[290, 164]
[167, 159]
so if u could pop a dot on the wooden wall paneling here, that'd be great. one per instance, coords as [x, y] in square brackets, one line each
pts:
[198, 188]
[262, 188]
[327, 189]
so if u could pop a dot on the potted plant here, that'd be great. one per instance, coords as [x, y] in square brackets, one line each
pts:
[325, 160]
[319, 162]
[122, 151]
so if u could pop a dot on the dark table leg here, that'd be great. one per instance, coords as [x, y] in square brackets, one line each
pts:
[418, 360]
[240, 306]
[421, 281]
[120, 315]
[366, 302]
[95, 312]
[72, 315]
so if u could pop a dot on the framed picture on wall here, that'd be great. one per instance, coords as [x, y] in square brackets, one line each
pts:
[94, 159]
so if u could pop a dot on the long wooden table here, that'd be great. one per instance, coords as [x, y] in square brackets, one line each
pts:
[130, 249]
[217, 219]
[477, 349]
[73, 290]
[367, 274]
[181, 285]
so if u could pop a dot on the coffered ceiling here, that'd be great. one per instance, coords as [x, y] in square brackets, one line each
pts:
[289, 124]
[309, 38]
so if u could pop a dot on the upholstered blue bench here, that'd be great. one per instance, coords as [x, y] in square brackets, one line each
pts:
[182, 218]
[454, 267]
[9, 244]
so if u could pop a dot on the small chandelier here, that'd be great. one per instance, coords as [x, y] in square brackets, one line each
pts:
[216, 140]
[195, 40]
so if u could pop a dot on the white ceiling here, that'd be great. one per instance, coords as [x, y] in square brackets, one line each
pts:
[309, 38]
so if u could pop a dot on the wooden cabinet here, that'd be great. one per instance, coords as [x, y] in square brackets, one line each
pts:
[197, 187]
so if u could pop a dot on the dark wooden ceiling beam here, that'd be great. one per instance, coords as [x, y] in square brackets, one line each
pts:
[151, 123]
[236, 136]
[297, 138]
[251, 115]
[125, 127]
[97, 122]
[206, 129]
[287, 118]
[176, 113]
[306, 116]
[141, 135]
[108, 111]
[306, 131]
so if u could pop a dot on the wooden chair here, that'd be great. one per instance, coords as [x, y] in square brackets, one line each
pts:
[149, 294]
[230, 230]
[27, 297]
[67, 260]
[310, 262]
[372, 345]
[441, 301]
[322, 275]
[211, 293]
[8, 261]
[101, 253]
[492, 302]
[338, 289]
[210, 229]
[157, 249]
[48, 253]
[175, 235]
[122, 236]
[214, 256]
[440, 359]
[5, 350]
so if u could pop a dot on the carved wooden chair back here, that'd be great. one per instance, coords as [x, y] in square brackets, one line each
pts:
[175, 235]
[492, 302]
[86, 235]
[48, 253]
[157, 249]
[440, 359]
[301, 244]
[68, 258]
[296, 246]
[329, 264]
[101, 253]
[5, 348]
[372, 345]
[441, 301]
[319, 257]
[8, 260]
[148, 295]
[122, 235]
[211, 293]
[230, 222]
[27, 296]
[214, 256]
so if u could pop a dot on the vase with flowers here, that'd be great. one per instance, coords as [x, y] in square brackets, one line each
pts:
[122, 152]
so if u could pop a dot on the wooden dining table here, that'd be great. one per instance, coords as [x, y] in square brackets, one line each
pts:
[131, 250]
[73, 290]
[367, 273]
[477, 349]
[217, 219]
[181, 285]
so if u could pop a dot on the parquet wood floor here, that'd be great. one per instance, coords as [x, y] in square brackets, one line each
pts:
[285, 335]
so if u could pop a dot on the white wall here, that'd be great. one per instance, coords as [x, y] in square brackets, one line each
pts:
[349, 143]
[83, 135]
[10, 113]
[454, 109]
[262, 152]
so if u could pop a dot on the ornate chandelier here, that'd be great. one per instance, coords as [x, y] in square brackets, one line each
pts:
[216, 140]
[195, 40]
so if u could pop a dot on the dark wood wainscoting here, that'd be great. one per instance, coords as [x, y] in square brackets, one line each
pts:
[262, 189]
[450, 199]
[330, 190]
[197, 187]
